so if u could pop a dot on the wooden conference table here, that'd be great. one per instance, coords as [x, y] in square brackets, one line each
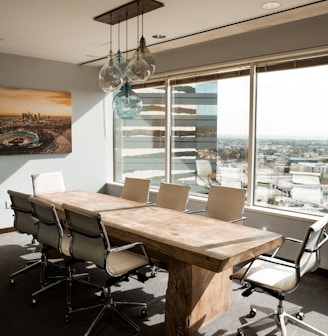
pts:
[200, 252]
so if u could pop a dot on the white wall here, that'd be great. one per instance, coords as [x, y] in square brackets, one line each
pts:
[86, 166]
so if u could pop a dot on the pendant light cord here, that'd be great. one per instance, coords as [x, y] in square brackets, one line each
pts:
[138, 26]
[111, 36]
[142, 23]
[119, 34]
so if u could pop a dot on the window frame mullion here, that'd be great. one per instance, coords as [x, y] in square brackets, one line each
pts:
[168, 132]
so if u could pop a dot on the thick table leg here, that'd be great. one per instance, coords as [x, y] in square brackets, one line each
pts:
[194, 297]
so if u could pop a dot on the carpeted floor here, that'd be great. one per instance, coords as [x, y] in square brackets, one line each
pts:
[46, 318]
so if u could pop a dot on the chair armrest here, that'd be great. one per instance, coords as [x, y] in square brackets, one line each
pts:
[291, 239]
[130, 246]
[124, 247]
[295, 240]
[276, 261]
[195, 211]
[266, 259]
[238, 220]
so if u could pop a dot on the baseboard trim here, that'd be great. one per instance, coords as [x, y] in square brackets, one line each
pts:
[6, 230]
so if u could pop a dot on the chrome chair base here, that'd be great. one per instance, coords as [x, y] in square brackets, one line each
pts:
[111, 305]
[48, 282]
[29, 266]
[281, 317]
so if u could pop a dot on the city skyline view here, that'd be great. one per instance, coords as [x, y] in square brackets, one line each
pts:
[14, 102]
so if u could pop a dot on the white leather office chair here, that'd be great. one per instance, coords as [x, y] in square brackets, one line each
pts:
[279, 277]
[90, 243]
[203, 171]
[136, 189]
[46, 183]
[173, 196]
[226, 203]
[53, 237]
[24, 223]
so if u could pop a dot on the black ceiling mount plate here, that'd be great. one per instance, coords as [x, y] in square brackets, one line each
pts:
[128, 11]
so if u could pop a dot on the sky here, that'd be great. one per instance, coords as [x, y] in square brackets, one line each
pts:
[18, 101]
[290, 103]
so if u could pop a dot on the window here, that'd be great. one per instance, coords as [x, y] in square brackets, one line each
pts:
[292, 139]
[210, 133]
[139, 144]
[203, 136]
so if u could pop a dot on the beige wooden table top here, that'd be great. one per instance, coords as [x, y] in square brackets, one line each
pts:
[89, 200]
[209, 243]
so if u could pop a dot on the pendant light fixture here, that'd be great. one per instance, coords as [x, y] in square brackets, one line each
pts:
[127, 104]
[145, 53]
[137, 69]
[110, 75]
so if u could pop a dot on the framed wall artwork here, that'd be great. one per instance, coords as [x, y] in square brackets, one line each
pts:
[35, 121]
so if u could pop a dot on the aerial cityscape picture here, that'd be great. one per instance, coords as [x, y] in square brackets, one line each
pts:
[35, 121]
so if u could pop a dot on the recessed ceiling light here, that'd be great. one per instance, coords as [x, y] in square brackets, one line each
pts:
[159, 36]
[271, 5]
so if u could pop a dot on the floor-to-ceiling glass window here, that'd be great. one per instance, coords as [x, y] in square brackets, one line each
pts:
[139, 144]
[210, 131]
[207, 127]
[292, 138]
[194, 134]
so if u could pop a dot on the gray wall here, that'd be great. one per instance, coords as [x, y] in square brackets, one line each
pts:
[85, 167]
[295, 36]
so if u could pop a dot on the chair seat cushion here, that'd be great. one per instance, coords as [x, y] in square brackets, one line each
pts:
[269, 275]
[123, 262]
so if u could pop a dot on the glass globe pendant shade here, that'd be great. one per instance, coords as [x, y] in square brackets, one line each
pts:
[137, 69]
[120, 61]
[110, 76]
[147, 55]
[127, 104]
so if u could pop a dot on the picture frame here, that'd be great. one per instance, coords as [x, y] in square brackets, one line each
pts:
[35, 121]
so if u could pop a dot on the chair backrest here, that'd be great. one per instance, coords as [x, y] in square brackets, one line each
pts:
[225, 203]
[89, 239]
[50, 231]
[24, 222]
[173, 196]
[309, 254]
[46, 183]
[136, 189]
[203, 169]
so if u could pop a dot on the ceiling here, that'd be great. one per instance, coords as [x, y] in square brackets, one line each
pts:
[65, 30]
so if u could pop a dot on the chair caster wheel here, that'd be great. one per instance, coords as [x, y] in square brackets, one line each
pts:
[33, 302]
[143, 311]
[11, 282]
[300, 316]
[67, 319]
[252, 312]
[241, 333]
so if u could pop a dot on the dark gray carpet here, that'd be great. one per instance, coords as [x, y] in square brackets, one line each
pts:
[19, 317]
